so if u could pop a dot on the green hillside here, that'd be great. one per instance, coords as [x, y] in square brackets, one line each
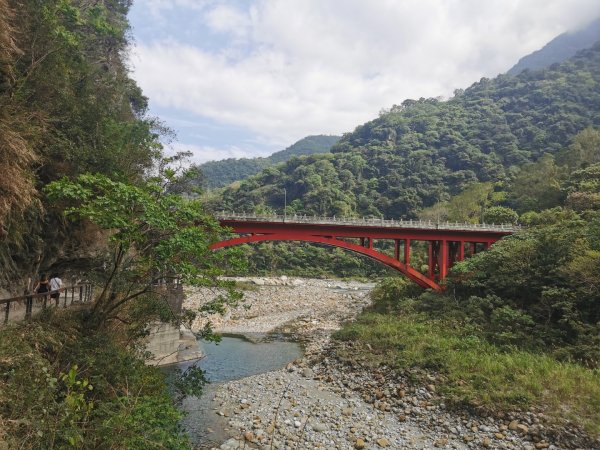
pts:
[217, 174]
[423, 151]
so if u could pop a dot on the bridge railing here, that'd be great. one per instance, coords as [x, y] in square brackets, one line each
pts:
[22, 307]
[373, 222]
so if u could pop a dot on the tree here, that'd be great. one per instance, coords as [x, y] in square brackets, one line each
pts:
[537, 186]
[154, 235]
[500, 215]
[584, 150]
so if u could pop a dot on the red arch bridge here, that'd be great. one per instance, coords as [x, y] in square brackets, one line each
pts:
[446, 242]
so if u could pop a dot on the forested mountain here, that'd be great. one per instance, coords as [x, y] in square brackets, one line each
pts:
[559, 49]
[221, 173]
[423, 151]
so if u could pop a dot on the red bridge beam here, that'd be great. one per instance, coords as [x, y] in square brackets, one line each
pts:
[446, 246]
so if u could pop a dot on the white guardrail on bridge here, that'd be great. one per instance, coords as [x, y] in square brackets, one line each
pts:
[370, 222]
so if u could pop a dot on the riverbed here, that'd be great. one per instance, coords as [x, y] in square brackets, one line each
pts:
[315, 402]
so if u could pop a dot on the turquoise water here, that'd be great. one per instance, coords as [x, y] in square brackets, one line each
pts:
[233, 358]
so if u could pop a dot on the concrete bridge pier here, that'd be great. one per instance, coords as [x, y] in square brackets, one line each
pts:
[170, 344]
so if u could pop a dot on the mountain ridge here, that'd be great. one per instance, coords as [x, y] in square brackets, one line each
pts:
[220, 173]
[559, 49]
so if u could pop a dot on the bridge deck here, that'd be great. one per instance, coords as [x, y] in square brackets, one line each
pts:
[370, 222]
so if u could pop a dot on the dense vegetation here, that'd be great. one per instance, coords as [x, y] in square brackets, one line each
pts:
[216, 174]
[67, 106]
[61, 387]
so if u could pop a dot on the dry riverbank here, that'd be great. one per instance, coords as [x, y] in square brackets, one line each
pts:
[319, 402]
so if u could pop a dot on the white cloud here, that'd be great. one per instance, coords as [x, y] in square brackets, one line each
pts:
[202, 154]
[227, 19]
[296, 67]
[157, 7]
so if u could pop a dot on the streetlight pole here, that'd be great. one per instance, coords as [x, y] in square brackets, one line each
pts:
[284, 203]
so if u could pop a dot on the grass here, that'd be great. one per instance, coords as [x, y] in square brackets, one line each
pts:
[477, 373]
[246, 286]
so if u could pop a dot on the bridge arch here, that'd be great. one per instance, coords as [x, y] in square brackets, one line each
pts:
[407, 270]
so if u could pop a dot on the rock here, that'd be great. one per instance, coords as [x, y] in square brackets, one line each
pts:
[319, 427]
[307, 373]
[524, 429]
[513, 425]
[542, 444]
[487, 442]
[231, 444]
[347, 411]
[249, 436]
[383, 442]
[431, 387]
[360, 443]
[297, 423]
[442, 442]
[499, 435]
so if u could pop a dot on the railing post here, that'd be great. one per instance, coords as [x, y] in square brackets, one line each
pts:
[80, 294]
[28, 306]
[6, 312]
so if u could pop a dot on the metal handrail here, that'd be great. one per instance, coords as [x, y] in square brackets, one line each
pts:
[374, 222]
[83, 293]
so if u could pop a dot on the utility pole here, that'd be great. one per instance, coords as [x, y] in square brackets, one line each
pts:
[284, 204]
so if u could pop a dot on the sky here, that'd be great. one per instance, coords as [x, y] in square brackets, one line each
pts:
[246, 78]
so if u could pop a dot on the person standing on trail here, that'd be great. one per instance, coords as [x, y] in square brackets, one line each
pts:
[43, 285]
[56, 284]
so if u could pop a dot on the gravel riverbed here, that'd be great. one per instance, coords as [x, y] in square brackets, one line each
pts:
[319, 402]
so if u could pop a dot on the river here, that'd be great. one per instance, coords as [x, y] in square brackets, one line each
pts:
[231, 359]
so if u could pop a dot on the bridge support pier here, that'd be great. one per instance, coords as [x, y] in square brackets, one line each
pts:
[406, 250]
[430, 260]
[443, 261]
